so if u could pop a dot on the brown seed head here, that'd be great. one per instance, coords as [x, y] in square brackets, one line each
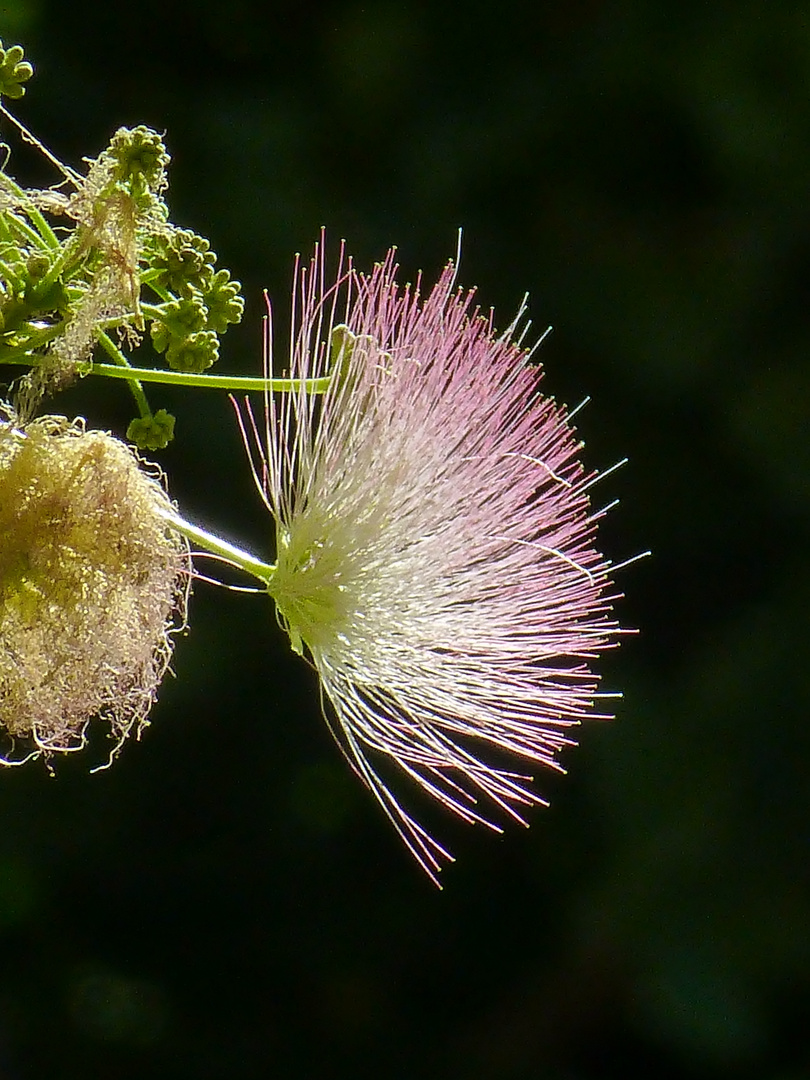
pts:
[92, 584]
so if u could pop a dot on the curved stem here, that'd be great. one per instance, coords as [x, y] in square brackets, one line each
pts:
[153, 311]
[217, 546]
[112, 350]
[213, 382]
[25, 354]
[29, 137]
[61, 263]
[116, 320]
[150, 277]
[46, 232]
[29, 235]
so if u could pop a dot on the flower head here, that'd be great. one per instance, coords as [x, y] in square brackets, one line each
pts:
[435, 545]
[92, 582]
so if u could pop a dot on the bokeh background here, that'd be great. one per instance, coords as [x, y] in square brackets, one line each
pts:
[227, 902]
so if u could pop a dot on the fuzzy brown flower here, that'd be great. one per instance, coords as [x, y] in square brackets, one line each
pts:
[92, 584]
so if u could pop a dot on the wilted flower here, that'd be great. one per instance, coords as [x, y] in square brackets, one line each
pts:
[92, 582]
[435, 545]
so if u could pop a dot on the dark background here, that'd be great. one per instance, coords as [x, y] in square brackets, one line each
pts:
[227, 902]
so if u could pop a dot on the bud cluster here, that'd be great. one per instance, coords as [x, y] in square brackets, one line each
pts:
[13, 71]
[115, 263]
[200, 302]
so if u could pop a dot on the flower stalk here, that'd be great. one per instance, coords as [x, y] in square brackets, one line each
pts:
[249, 383]
[216, 545]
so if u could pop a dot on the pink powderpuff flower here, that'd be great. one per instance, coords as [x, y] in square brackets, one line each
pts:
[435, 542]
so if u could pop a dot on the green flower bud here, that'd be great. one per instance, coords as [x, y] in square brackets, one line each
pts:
[342, 361]
[194, 354]
[185, 261]
[92, 584]
[153, 432]
[139, 159]
[178, 320]
[224, 302]
[13, 71]
[37, 266]
[341, 347]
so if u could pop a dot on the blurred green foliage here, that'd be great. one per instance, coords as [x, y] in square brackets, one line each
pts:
[642, 168]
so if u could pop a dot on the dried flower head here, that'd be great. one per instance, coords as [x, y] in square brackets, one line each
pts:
[435, 545]
[92, 582]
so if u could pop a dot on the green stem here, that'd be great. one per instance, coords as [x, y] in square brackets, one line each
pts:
[46, 232]
[5, 233]
[214, 382]
[115, 321]
[29, 137]
[112, 350]
[217, 546]
[23, 229]
[61, 263]
[11, 277]
[24, 354]
[150, 278]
